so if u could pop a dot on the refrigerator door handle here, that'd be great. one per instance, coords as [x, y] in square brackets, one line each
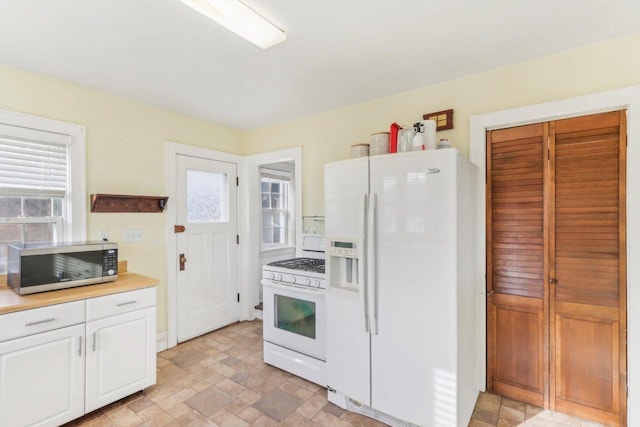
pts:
[372, 263]
[362, 268]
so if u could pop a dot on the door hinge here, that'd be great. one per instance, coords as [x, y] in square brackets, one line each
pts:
[238, 297]
[237, 181]
[548, 148]
[237, 239]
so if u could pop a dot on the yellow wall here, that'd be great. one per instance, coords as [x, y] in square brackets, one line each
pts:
[328, 136]
[125, 139]
[125, 155]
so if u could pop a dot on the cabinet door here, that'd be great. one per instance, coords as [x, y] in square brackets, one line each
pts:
[42, 378]
[121, 356]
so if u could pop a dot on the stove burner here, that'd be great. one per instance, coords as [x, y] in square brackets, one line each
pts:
[306, 264]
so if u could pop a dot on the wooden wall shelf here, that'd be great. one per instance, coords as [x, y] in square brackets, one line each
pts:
[126, 203]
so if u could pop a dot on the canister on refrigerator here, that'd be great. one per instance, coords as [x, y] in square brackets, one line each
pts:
[393, 137]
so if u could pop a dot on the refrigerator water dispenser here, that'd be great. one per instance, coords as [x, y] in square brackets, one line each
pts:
[344, 264]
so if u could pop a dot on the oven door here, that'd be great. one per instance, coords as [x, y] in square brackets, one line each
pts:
[294, 318]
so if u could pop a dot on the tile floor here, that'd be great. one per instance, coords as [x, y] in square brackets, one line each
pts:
[219, 379]
[492, 410]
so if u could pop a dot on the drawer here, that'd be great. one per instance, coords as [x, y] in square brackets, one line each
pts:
[110, 305]
[36, 320]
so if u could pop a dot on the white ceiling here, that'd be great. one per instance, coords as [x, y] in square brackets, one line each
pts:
[338, 52]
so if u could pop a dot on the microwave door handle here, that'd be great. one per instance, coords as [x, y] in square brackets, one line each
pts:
[372, 263]
[362, 276]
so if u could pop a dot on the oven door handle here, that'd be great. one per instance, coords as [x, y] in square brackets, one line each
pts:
[277, 286]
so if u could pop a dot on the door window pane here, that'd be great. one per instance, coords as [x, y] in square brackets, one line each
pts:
[207, 197]
[296, 316]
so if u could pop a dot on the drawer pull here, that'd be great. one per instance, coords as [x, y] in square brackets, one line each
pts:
[40, 321]
[127, 303]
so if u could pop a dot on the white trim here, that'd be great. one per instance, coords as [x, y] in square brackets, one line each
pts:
[282, 176]
[628, 98]
[77, 213]
[161, 341]
[250, 232]
[173, 149]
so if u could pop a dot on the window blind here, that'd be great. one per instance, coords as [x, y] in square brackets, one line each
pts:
[33, 162]
[275, 174]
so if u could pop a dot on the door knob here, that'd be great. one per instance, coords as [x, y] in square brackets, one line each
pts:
[183, 260]
[552, 281]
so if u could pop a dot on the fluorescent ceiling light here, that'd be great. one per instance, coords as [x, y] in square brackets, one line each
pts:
[237, 17]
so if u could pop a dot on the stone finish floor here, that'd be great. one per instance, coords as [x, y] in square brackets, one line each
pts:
[492, 410]
[220, 379]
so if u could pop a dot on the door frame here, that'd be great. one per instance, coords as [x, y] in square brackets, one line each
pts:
[172, 150]
[250, 218]
[625, 98]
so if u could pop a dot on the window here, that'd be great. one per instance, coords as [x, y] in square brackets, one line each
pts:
[277, 205]
[41, 162]
[207, 197]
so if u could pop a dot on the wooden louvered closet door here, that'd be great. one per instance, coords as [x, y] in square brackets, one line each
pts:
[516, 240]
[556, 265]
[588, 266]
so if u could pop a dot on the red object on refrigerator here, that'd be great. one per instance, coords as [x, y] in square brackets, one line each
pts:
[393, 137]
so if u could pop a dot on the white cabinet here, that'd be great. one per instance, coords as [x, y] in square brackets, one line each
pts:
[42, 364]
[58, 363]
[42, 378]
[121, 356]
[121, 346]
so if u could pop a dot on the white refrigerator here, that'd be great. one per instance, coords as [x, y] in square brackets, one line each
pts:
[402, 287]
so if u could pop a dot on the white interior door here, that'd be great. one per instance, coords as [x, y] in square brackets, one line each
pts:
[207, 276]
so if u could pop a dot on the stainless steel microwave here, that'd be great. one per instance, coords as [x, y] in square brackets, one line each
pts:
[39, 267]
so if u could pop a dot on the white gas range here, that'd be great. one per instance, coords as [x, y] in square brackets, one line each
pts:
[294, 329]
[297, 272]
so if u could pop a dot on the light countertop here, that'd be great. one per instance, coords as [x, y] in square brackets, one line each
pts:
[11, 301]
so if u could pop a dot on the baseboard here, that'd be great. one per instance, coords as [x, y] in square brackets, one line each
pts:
[162, 341]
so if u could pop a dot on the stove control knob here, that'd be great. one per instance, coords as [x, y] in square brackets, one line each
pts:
[308, 282]
[280, 277]
[273, 276]
[317, 283]
[293, 279]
